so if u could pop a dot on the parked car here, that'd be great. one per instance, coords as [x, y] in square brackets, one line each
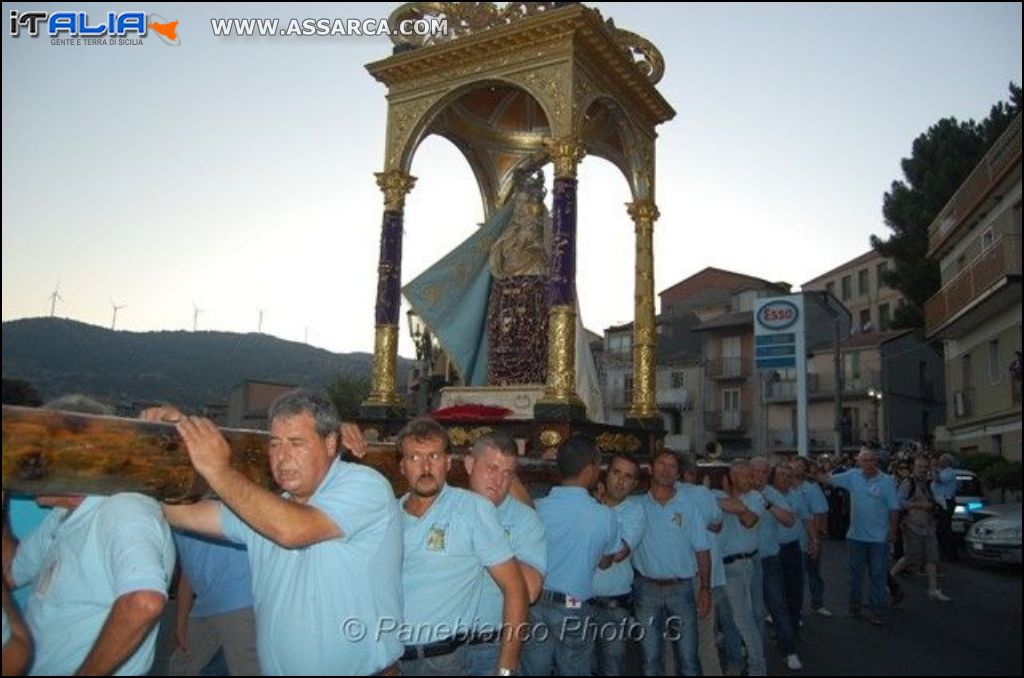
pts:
[996, 538]
[969, 500]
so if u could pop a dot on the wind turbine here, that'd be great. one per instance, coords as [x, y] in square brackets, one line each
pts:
[116, 307]
[54, 298]
[195, 316]
[259, 325]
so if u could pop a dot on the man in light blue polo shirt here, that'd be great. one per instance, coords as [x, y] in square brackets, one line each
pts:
[491, 467]
[99, 569]
[673, 564]
[613, 587]
[325, 556]
[743, 508]
[453, 543]
[214, 607]
[874, 518]
[817, 504]
[580, 533]
[710, 663]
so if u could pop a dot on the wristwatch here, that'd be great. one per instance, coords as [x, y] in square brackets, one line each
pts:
[506, 672]
[768, 506]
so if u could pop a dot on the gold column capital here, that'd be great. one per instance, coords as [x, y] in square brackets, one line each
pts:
[566, 153]
[643, 213]
[395, 184]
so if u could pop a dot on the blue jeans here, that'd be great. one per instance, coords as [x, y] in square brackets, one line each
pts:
[453, 664]
[875, 557]
[792, 560]
[738, 576]
[668, 613]
[732, 643]
[775, 601]
[561, 638]
[611, 633]
[483, 658]
[815, 584]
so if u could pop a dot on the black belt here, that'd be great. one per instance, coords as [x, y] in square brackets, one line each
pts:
[672, 581]
[738, 556]
[479, 638]
[435, 649]
[562, 599]
[624, 601]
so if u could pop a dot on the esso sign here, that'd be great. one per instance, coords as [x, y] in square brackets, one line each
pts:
[778, 315]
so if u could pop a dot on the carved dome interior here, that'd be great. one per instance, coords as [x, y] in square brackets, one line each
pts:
[500, 128]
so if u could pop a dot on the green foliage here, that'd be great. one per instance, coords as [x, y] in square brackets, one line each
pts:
[978, 462]
[189, 369]
[347, 393]
[941, 159]
[1003, 475]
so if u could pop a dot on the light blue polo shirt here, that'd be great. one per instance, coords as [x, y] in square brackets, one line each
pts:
[871, 501]
[768, 527]
[708, 504]
[944, 485]
[447, 552]
[24, 516]
[79, 563]
[218, 572]
[676, 530]
[617, 580]
[814, 497]
[735, 538]
[334, 607]
[525, 534]
[798, 532]
[580, 531]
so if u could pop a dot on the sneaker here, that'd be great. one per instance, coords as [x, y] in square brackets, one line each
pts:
[793, 662]
[824, 611]
[874, 618]
[938, 595]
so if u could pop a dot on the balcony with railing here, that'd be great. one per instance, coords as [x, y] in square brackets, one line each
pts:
[987, 285]
[999, 161]
[725, 421]
[823, 385]
[728, 368]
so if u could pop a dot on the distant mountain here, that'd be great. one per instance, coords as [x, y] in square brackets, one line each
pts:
[191, 369]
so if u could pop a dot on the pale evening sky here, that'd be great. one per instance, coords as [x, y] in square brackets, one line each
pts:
[238, 173]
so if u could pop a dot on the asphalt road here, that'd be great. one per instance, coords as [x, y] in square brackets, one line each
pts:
[979, 633]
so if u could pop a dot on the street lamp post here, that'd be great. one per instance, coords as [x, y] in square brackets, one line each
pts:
[876, 400]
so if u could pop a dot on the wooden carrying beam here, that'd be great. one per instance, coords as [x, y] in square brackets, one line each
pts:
[49, 452]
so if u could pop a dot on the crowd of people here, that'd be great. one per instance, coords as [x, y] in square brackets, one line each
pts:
[335, 576]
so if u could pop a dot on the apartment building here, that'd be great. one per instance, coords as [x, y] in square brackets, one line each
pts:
[977, 311]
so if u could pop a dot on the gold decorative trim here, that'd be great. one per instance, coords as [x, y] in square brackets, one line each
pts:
[561, 386]
[462, 437]
[461, 18]
[395, 184]
[550, 438]
[644, 405]
[453, 20]
[618, 442]
[385, 367]
[566, 153]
